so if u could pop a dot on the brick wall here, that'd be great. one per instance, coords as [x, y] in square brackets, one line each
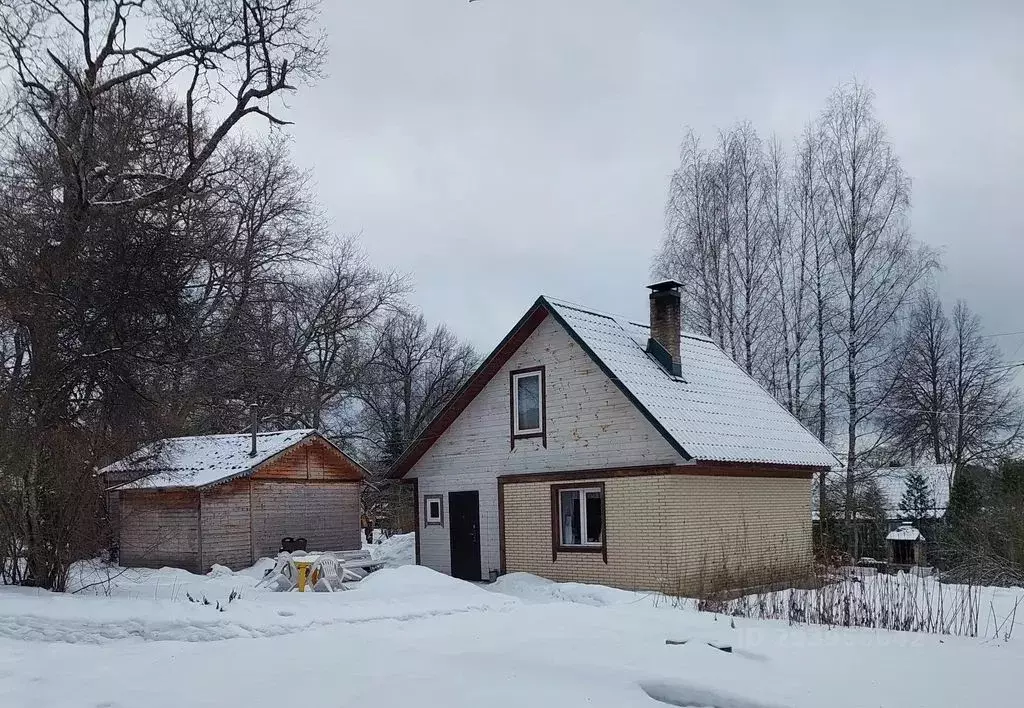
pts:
[682, 534]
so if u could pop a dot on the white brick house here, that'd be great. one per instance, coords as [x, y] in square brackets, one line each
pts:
[590, 448]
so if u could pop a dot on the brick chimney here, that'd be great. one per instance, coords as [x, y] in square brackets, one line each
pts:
[666, 311]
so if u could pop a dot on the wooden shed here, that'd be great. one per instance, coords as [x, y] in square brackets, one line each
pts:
[230, 499]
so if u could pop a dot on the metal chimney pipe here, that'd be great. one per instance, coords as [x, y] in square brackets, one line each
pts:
[255, 411]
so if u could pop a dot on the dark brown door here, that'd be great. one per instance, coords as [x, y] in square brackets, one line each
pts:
[464, 532]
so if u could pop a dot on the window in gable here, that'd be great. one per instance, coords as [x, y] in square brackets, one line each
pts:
[527, 404]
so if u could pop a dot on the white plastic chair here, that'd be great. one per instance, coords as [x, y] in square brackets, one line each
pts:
[329, 572]
[283, 577]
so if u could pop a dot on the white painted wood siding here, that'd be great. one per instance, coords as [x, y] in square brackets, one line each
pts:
[590, 424]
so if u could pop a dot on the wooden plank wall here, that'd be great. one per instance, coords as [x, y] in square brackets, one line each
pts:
[226, 526]
[312, 460]
[160, 529]
[325, 513]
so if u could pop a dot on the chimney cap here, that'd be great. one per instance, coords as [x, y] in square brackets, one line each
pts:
[663, 285]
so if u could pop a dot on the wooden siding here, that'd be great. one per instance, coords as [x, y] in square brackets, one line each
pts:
[681, 534]
[589, 424]
[160, 529]
[226, 526]
[312, 459]
[326, 514]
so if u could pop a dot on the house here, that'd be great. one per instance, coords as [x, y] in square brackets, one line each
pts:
[230, 499]
[590, 448]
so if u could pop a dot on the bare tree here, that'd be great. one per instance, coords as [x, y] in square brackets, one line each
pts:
[985, 417]
[108, 225]
[791, 268]
[878, 265]
[692, 250]
[69, 58]
[416, 369]
[718, 244]
[919, 397]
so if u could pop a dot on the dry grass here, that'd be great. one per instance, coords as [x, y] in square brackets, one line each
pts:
[903, 602]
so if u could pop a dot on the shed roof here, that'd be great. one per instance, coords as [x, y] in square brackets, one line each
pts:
[906, 532]
[202, 460]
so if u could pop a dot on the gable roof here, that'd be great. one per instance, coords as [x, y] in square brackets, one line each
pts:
[204, 460]
[714, 411]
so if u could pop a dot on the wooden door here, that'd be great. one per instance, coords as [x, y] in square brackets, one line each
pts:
[464, 534]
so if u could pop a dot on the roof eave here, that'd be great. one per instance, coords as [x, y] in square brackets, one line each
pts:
[509, 344]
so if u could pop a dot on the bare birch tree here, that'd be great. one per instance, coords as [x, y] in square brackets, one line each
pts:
[878, 265]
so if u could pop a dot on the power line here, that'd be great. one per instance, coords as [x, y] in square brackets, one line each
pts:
[1003, 334]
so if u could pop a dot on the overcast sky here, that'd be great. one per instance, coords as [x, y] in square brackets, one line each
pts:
[506, 148]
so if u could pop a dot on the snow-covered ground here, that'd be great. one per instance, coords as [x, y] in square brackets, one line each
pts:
[406, 634]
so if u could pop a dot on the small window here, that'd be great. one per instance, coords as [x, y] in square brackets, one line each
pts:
[581, 517]
[433, 510]
[528, 403]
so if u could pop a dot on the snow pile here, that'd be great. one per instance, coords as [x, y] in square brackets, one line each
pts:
[410, 592]
[100, 579]
[534, 589]
[396, 550]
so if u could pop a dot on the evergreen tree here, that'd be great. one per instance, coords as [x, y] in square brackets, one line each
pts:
[917, 499]
[965, 499]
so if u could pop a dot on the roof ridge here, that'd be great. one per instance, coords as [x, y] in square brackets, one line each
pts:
[618, 319]
[235, 435]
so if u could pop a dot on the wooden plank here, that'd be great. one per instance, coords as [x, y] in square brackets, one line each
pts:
[326, 514]
[226, 526]
[160, 529]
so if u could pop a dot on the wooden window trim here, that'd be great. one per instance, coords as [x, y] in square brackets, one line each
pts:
[556, 531]
[427, 498]
[543, 432]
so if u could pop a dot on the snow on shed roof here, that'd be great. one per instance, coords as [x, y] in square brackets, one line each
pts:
[714, 410]
[202, 460]
[906, 532]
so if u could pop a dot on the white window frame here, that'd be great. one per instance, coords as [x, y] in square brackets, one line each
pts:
[539, 430]
[581, 492]
[429, 520]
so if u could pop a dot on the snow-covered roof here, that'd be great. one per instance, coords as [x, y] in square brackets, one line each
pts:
[892, 481]
[203, 460]
[906, 532]
[714, 410]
